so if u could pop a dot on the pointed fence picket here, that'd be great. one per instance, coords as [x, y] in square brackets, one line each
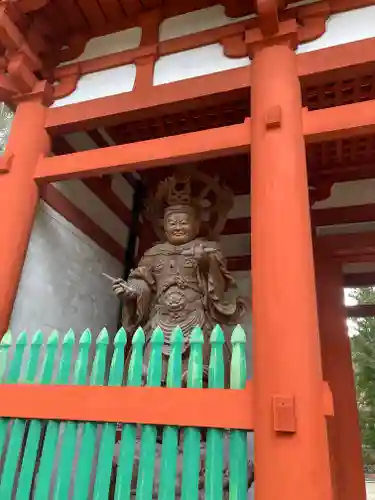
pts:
[108, 438]
[43, 480]
[135, 479]
[87, 449]
[192, 436]
[35, 429]
[169, 453]
[129, 431]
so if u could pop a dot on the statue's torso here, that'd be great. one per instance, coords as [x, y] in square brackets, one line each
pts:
[179, 296]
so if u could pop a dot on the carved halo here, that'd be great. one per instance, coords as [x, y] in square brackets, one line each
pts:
[212, 200]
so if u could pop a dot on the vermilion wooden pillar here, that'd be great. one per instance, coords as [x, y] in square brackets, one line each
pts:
[19, 193]
[291, 451]
[343, 428]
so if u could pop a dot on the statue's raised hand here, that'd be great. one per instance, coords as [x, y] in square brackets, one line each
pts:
[121, 288]
[199, 252]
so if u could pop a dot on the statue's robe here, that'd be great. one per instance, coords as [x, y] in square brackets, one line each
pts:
[174, 290]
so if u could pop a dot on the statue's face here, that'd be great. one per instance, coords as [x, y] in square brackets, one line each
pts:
[180, 227]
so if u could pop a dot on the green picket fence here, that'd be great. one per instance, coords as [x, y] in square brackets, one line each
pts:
[35, 466]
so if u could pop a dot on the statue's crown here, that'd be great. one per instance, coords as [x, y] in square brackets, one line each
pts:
[178, 191]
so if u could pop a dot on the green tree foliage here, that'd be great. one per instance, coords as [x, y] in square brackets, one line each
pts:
[363, 349]
[6, 116]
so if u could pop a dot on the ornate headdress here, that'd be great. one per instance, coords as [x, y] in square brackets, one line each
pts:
[175, 194]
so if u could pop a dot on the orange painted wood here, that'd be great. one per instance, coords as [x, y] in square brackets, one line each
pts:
[339, 61]
[195, 146]
[223, 408]
[173, 97]
[339, 122]
[286, 353]
[343, 429]
[181, 95]
[19, 197]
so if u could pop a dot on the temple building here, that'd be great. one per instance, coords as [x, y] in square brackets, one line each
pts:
[273, 101]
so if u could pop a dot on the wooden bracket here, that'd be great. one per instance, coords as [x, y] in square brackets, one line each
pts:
[273, 117]
[284, 414]
[287, 34]
[68, 80]
[21, 74]
[234, 45]
[313, 21]
[42, 91]
[6, 162]
[268, 16]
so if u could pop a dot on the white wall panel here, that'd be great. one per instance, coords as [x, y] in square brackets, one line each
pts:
[195, 62]
[235, 245]
[61, 285]
[123, 190]
[101, 84]
[110, 44]
[349, 194]
[241, 207]
[194, 22]
[359, 267]
[344, 27]
[362, 227]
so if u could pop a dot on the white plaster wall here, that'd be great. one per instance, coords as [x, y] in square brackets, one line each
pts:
[195, 62]
[61, 285]
[349, 194]
[241, 207]
[344, 27]
[360, 227]
[110, 44]
[195, 22]
[370, 490]
[104, 83]
[85, 200]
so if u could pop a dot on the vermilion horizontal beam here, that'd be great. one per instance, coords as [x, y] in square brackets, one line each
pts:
[143, 405]
[339, 122]
[204, 90]
[184, 148]
[157, 100]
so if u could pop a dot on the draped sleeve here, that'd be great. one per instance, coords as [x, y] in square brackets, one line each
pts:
[216, 283]
[136, 311]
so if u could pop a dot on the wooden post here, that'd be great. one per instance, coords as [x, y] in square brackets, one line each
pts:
[343, 429]
[291, 450]
[19, 193]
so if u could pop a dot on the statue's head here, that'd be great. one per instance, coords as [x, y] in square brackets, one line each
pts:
[181, 224]
[187, 204]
